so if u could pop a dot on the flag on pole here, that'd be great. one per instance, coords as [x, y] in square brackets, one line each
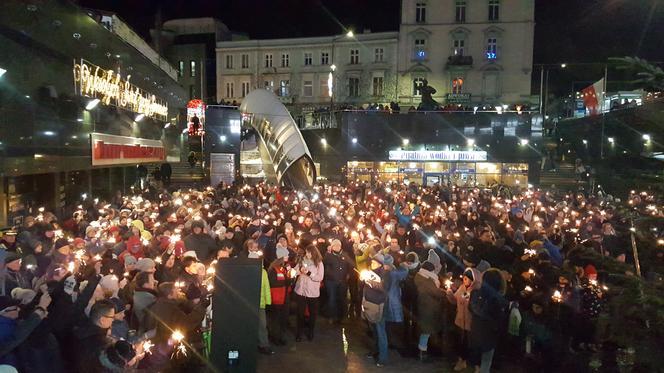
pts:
[593, 97]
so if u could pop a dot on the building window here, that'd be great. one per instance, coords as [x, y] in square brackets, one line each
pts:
[460, 11]
[420, 49]
[418, 83]
[378, 53]
[180, 68]
[269, 85]
[284, 88]
[459, 45]
[192, 68]
[308, 58]
[491, 48]
[229, 61]
[324, 58]
[245, 61]
[308, 88]
[285, 60]
[354, 87]
[230, 90]
[324, 88]
[457, 85]
[268, 60]
[377, 86]
[494, 10]
[245, 89]
[354, 56]
[192, 92]
[420, 12]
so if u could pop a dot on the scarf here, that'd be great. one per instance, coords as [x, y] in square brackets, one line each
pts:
[428, 274]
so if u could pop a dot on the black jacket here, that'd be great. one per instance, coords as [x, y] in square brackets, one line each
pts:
[337, 266]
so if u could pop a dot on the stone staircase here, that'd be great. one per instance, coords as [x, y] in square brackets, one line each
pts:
[184, 174]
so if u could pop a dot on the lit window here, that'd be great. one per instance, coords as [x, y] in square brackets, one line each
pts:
[268, 60]
[285, 60]
[457, 85]
[378, 54]
[324, 58]
[459, 45]
[420, 49]
[283, 88]
[491, 48]
[308, 88]
[308, 59]
[420, 12]
[354, 56]
[418, 83]
[494, 10]
[192, 68]
[354, 87]
[180, 68]
[230, 90]
[460, 11]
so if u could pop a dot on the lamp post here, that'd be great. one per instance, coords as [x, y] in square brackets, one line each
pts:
[330, 79]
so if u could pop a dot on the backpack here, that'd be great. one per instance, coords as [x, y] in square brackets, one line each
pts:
[373, 301]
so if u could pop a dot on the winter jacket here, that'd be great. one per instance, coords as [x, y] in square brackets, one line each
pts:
[308, 285]
[89, 341]
[12, 334]
[202, 244]
[337, 266]
[143, 299]
[405, 220]
[168, 315]
[278, 285]
[488, 309]
[266, 298]
[461, 298]
[429, 305]
[392, 283]
[554, 253]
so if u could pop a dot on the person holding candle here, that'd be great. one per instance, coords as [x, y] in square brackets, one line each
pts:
[471, 280]
[307, 289]
[279, 277]
[429, 305]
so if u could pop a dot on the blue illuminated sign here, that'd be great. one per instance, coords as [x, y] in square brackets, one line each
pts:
[421, 54]
[491, 55]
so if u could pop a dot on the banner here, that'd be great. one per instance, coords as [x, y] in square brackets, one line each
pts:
[117, 150]
[593, 97]
[431, 155]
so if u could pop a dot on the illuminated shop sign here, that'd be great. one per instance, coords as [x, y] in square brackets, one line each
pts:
[109, 87]
[115, 150]
[431, 155]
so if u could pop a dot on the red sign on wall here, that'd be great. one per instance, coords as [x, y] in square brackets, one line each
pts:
[118, 150]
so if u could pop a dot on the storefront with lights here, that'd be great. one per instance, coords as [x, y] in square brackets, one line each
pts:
[80, 107]
[462, 169]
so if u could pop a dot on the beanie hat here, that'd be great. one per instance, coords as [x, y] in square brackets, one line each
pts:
[179, 248]
[590, 270]
[78, 241]
[428, 266]
[12, 256]
[117, 355]
[129, 260]
[60, 242]
[282, 252]
[145, 265]
[190, 253]
[469, 273]
[197, 224]
[388, 259]
[110, 283]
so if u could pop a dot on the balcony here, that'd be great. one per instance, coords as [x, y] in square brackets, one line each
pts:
[459, 61]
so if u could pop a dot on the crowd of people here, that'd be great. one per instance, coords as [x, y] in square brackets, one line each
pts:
[125, 284]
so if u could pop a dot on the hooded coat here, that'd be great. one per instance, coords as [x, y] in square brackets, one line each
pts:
[488, 309]
[461, 298]
[429, 305]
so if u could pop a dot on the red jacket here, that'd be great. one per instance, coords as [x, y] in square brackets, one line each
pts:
[278, 285]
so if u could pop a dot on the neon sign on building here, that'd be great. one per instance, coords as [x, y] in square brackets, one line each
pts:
[109, 87]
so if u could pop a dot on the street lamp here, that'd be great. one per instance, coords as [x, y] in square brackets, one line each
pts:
[92, 104]
[646, 137]
[524, 142]
[405, 142]
[611, 140]
[350, 34]
[354, 140]
[470, 142]
[563, 65]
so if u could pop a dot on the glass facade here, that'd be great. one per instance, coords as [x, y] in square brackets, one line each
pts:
[461, 174]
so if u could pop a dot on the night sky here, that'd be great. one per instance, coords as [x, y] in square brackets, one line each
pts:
[566, 30]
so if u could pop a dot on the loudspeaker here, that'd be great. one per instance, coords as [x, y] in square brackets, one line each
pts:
[235, 305]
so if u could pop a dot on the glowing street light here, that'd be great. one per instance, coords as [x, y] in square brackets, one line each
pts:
[92, 104]
[350, 34]
[139, 117]
[563, 65]
[2, 71]
[405, 141]
[222, 138]
[354, 140]
[323, 141]
[611, 140]
[646, 137]
[524, 142]
[470, 142]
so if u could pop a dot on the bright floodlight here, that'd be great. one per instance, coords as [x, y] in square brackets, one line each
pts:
[2, 71]
[354, 140]
[470, 142]
[323, 141]
[139, 117]
[646, 137]
[611, 140]
[405, 141]
[222, 138]
[524, 141]
[563, 65]
[333, 67]
[350, 34]
[92, 104]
